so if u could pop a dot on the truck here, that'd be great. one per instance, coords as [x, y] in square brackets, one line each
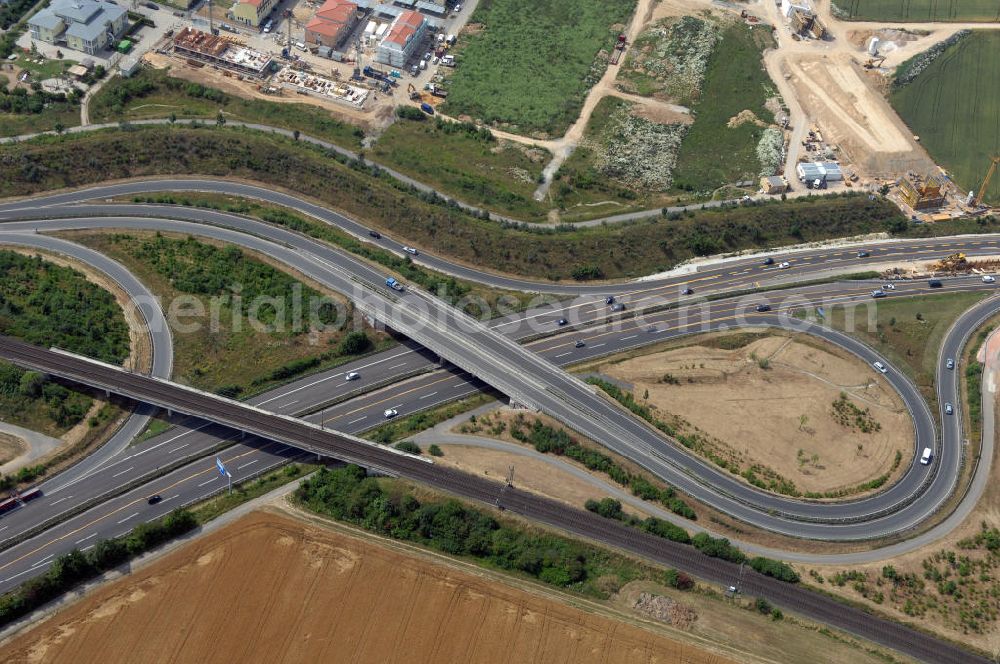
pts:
[437, 90]
[394, 285]
[619, 49]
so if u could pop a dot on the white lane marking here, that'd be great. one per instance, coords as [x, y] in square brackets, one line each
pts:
[56, 502]
[429, 395]
[563, 354]
[82, 540]
[358, 420]
[87, 548]
[247, 464]
[208, 482]
[122, 472]
[43, 560]
[179, 447]
[341, 373]
[4, 528]
[597, 345]
[288, 404]
[627, 338]
[172, 497]
[396, 366]
[130, 516]
[11, 578]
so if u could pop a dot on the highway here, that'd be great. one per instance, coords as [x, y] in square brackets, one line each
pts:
[420, 392]
[299, 434]
[147, 308]
[567, 398]
[899, 508]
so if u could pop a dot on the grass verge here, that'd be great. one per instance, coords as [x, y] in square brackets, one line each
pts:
[531, 64]
[363, 191]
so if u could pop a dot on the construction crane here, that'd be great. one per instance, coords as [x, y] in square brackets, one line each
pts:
[986, 181]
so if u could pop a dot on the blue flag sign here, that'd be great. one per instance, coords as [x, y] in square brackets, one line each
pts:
[222, 468]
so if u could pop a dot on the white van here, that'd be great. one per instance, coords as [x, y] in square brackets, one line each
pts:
[925, 458]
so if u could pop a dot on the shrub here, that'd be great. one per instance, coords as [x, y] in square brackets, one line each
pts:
[354, 343]
[435, 451]
[409, 446]
[775, 568]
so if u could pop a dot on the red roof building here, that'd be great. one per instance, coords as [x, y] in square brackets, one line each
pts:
[332, 22]
[401, 39]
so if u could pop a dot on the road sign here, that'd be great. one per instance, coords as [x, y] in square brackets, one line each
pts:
[221, 467]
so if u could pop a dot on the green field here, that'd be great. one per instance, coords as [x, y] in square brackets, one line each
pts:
[714, 154]
[954, 106]
[919, 10]
[467, 163]
[532, 64]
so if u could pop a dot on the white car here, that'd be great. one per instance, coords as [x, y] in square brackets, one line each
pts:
[784, 265]
[352, 375]
[889, 287]
[390, 413]
[410, 250]
[989, 279]
[880, 367]
[925, 458]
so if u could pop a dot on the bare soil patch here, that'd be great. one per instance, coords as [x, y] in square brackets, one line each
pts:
[268, 588]
[11, 447]
[852, 114]
[773, 406]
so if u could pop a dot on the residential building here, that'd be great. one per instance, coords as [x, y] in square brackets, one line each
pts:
[332, 23]
[401, 39]
[83, 25]
[253, 13]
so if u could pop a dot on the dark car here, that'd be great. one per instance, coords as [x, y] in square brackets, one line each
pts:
[561, 322]
[151, 5]
[934, 283]
[375, 234]
[763, 307]
[155, 498]
[580, 344]
[618, 307]
[863, 254]
[768, 261]
[610, 299]
[687, 291]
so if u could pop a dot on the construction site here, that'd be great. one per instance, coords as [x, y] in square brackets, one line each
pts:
[225, 52]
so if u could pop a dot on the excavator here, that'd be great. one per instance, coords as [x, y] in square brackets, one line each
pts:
[874, 62]
[412, 91]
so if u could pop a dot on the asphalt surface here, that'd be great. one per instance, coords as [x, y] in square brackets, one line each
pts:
[540, 383]
[297, 433]
[146, 306]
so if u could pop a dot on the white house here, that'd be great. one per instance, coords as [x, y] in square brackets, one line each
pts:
[84, 25]
[401, 39]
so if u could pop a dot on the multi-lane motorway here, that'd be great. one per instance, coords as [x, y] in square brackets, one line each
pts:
[901, 507]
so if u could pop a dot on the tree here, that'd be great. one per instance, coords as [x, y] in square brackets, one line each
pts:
[172, 118]
[435, 451]
[59, 127]
[296, 134]
[220, 119]
[354, 343]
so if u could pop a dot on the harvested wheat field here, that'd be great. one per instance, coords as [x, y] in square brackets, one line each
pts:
[777, 404]
[269, 588]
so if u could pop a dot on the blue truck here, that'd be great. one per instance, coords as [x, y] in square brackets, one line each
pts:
[394, 285]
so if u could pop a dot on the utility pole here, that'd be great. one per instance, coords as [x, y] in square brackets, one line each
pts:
[288, 25]
[211, 19]
[510, 475]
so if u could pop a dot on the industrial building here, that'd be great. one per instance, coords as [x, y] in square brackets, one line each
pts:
[224, 52]
[824, 171]
[252, 12]
[332, 23]
[402, 38]
[773, 184]
[83, 25]
[807, 23]
[921, 193]
[788, 7]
